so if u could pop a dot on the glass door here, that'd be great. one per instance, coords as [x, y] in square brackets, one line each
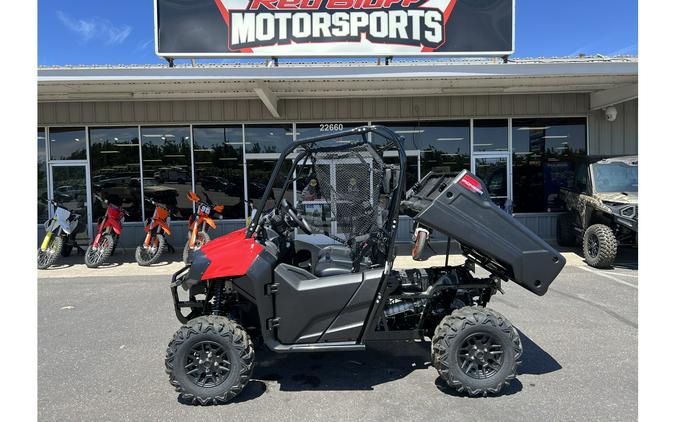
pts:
[69, 188]
[495, 171]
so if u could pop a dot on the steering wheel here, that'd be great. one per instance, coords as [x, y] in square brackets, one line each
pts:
[297, 219]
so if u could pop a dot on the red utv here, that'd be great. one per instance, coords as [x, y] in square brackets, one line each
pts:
[298, 297]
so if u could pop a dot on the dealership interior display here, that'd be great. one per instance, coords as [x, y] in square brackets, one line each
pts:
[270, 284]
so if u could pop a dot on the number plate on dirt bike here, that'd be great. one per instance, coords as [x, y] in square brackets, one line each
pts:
[204, 209]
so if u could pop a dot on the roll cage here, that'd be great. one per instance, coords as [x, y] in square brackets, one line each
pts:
[307, 148]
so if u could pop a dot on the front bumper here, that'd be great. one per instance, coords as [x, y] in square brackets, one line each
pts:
[179, 278]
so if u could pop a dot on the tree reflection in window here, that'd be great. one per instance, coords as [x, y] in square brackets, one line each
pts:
[167, 169]
[219, 167]
[115, 170]
[67, 143]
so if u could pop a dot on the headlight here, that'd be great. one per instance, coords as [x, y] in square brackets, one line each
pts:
[629, 211]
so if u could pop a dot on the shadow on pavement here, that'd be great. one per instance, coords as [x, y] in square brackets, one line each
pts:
[514, 387]
[120, 257]
[379, 364]
[376, 365]
[253, 390]
[535, 360]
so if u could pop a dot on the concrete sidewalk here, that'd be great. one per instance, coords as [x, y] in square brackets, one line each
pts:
[123, 264]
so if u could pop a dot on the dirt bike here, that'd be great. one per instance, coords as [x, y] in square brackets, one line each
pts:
[155, 243]
[199, 223]
[108, 230]
[59, 237]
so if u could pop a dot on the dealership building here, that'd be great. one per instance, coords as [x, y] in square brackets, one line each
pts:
[158, 132]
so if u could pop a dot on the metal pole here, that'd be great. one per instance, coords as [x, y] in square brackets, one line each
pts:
[447, 251]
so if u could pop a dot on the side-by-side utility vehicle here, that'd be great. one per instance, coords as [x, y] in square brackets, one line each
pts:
[602, 209]
[271, 282]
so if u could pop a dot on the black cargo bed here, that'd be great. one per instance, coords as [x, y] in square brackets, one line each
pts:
[460, 208]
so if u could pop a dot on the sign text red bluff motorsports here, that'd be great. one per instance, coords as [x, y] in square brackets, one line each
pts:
[314, 28]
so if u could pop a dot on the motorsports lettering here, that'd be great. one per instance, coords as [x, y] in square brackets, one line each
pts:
[333, 28]
[272, 22]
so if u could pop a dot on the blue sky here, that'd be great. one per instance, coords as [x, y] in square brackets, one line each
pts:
[121, 31]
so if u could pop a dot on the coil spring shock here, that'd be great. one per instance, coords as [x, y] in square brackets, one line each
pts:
[218, 286]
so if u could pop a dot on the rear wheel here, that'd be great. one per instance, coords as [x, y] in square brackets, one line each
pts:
[97, 256]
[47, 257]
[209, 360]
[476, 351]
[565, 234]
[201, 240]
[600, 246]
[148, 255]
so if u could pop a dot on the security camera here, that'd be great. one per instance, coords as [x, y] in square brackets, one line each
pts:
[611, 113]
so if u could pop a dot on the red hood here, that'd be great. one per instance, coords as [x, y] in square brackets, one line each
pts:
[230, 255]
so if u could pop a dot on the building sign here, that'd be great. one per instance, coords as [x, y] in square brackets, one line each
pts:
[316, 28]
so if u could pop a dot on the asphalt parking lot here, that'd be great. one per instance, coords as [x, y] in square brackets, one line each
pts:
[102, 338]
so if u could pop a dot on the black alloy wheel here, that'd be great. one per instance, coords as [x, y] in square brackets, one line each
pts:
[600, 246]
[481, 355]
[593, 245]
[476, 351]
[207, 364]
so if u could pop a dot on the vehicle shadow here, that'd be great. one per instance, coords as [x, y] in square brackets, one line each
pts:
[535, 360]
[380, 363]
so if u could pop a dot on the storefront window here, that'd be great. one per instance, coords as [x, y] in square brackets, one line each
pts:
[490, 135]
[43, 212]
[67, 143]
[167, 169]
[219, 167]
[545, 152]
[259, 174]
[115, 170]
[268, 139]
[263, 145]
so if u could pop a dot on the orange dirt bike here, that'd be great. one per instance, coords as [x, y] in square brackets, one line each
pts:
[108, 231]
[199, 223]
[155, 243]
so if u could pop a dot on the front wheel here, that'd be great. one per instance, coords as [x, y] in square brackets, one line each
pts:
[600, 246]
[209, 360]
[148, 255]
[476, 351]
[201, 240]
[47, 257]
[97, 256]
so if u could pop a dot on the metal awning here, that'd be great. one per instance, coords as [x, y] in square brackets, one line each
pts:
[338, 80]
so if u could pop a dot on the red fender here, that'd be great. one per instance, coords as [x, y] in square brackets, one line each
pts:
[230, 255]
[115, 224]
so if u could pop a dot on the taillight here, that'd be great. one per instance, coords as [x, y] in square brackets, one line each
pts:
[471, 184]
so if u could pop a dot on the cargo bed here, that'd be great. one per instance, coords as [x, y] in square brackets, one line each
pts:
[460, 208]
